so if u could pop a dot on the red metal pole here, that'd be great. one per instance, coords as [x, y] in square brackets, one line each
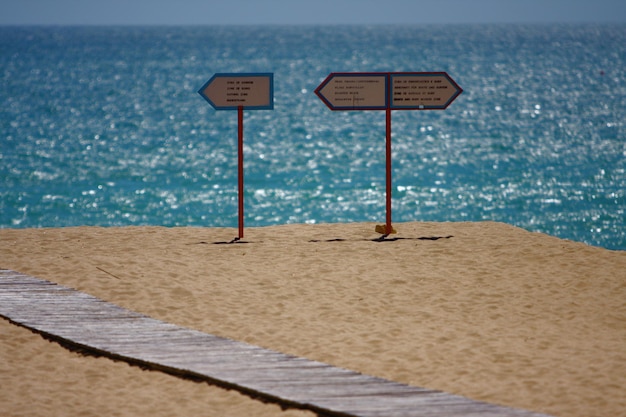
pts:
[240, 167]
[388, 227]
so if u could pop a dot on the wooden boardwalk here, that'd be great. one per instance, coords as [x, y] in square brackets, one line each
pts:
[85, 322]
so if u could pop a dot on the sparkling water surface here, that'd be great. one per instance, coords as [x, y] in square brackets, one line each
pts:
[104, 126]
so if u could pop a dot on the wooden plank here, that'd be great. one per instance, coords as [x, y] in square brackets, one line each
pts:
[85, 321]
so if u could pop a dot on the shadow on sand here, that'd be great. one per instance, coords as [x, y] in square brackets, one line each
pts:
[384, 238]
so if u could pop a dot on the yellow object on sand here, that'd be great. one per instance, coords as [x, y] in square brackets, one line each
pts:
[382, 229]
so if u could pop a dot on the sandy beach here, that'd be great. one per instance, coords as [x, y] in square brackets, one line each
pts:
[485, 310]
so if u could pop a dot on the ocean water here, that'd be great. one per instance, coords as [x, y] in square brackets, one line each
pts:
[104, 126]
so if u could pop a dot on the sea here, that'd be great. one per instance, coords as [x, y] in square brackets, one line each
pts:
[104, 126]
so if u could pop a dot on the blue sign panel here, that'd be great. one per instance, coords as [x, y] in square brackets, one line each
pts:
[252, 91]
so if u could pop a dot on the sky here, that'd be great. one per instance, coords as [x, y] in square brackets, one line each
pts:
[298, 12]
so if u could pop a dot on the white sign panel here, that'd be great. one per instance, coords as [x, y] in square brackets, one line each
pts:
[354, 91]
[421, 91]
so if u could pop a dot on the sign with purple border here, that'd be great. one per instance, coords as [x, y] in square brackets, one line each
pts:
[354, 91]
[388, 90]
[422, 90]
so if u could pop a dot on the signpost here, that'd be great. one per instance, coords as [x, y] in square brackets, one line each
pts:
[388, 91]
[253, 91]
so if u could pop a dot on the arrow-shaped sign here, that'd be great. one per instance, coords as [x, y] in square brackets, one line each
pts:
[422, 90]
[354, 91]
[252, 91]
[383, 90]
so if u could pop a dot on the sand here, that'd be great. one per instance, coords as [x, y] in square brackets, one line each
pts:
[487, 310]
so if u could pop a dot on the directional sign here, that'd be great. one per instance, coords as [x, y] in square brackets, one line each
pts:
[253, 91]
[238, 92]
[388, 90]
[422, 90]
[354, 91]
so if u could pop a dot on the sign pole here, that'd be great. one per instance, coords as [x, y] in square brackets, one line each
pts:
[388, 227]
[240, 166]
